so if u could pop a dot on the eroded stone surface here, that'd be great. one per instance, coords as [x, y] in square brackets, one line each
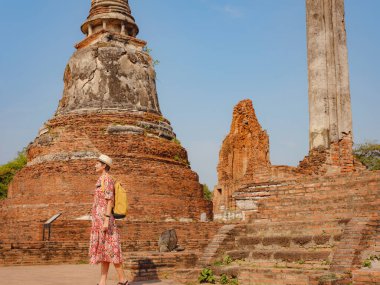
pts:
[329, 90]
[109, 75]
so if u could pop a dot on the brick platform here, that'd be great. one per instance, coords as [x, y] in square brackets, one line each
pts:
[307, 231]
[69, 244]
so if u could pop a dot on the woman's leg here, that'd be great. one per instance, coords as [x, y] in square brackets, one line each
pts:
[104, 272]
[120, 272]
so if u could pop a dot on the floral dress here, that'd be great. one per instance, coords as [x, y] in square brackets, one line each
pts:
[104, 245]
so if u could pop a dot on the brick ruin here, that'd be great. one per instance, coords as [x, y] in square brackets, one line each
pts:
[330, 118]
[311, 224]
[109, 105]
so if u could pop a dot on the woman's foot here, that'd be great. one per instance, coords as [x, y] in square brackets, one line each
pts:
[123, 283]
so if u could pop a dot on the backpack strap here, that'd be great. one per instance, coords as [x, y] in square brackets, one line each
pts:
[102, 182]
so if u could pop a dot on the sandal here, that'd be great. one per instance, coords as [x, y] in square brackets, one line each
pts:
[125, 283]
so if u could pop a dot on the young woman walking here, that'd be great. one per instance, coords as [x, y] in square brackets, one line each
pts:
[105, 245]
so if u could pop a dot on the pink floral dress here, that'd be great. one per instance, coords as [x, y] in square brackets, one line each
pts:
[104, 245]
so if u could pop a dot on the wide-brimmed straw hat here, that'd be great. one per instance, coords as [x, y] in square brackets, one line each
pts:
[105, 159]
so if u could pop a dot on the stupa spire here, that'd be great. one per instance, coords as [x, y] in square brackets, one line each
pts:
[110, 15]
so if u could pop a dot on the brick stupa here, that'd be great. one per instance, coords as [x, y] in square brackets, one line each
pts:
[110, 106]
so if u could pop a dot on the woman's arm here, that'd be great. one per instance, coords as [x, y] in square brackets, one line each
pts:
[107, 215]
[109, 188]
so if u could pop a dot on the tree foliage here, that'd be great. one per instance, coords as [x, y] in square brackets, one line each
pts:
[8, 171]
[207, 194]
[369, 154]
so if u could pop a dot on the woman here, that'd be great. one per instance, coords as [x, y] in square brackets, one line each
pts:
[105, 241]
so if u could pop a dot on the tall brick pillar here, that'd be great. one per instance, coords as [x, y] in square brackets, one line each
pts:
[329, 89]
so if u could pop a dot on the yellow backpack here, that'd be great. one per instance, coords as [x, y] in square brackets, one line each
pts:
[120, 208]
[121, 202]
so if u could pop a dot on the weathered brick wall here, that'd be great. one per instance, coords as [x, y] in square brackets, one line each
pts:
[366, 277]
[341, 196]
[140, 236]
[31, 231]
[69, 242]
[244, 161]
[244, 151]
[337, 159]
[154, 170]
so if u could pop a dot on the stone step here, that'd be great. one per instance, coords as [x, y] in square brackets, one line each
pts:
[366, 277]
[281, 275]
[300, 256]
[304, 265]
[223, 234]
[294, 241]
[253, 275]
[295, 226]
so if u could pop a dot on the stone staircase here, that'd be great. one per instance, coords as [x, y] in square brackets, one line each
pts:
[310, 231]
[371, 275]
[295, 242]
[224, 234]
[272, 252]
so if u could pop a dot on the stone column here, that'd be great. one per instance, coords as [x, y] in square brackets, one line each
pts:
[329, 90]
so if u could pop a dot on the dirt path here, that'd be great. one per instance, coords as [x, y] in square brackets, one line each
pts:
[61, 275]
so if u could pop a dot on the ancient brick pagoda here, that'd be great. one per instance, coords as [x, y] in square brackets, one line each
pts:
[314, 224]
[110, 106]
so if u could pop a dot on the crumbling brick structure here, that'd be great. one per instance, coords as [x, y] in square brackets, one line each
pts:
[330, 119]
[109, 105]
[311, 224]
[306, 225]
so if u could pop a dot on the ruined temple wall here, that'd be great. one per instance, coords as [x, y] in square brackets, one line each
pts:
[244, 161]
[244, 153]
[327, 197]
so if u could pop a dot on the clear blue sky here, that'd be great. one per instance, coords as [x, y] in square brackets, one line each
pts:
[213, 53]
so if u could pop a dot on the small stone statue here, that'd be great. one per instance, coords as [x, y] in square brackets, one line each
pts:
[169, 242]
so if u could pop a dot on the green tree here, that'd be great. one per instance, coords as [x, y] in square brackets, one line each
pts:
[369, 154]
[207, 194]
[8, 171]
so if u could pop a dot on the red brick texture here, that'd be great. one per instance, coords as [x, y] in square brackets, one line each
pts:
[60, 175]
[314, 228]
[244, 161]
[366, 277]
